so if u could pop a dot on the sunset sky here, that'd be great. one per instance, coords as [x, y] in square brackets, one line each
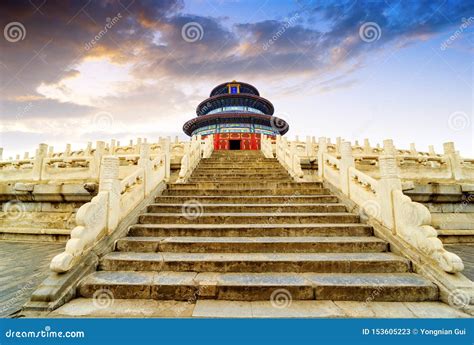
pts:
[78, 71]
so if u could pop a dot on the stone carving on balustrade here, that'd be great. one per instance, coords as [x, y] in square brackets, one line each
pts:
[384, 200]
[177, 149]
[332, 163]
[413, 223]
[114, 201]
[363, 181]
[91, 220]
[16, 165]
[131, 183]
[193, 152]
[124, 150]
[67, 163]
[129, 160]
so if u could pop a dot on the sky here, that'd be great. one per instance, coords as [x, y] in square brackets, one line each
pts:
[79, 71]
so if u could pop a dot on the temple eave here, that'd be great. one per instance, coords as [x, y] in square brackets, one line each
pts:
[277, 124]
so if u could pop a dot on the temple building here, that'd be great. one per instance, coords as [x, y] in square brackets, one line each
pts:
[237, 116]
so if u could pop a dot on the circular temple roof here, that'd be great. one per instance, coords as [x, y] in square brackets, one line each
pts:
[239, 99]
[279, 125]
[235, 103]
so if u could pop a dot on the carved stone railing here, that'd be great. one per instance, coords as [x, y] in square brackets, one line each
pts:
[288, 157]
[196, 149]
[84, 164]
[266, 146]
[413, 164]
[384, 201]
[115, 200]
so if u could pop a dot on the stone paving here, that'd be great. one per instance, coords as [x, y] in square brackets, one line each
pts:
[83, 307]
[466, 253]
[23, 266]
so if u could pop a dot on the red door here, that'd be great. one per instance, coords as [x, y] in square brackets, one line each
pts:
[248, 141]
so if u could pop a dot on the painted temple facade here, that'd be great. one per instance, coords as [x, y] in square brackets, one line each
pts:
[237, 116]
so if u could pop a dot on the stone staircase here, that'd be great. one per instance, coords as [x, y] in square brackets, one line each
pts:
[241, 229]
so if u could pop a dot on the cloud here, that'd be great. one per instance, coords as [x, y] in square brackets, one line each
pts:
[148, 37]
[317, 43]
[34, 108]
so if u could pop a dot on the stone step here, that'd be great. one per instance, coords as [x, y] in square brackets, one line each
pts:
[242, 163]
[274, 287]
[241, 169]
[241, 174]
[247, 218]
[247, 192]
[243, 159]
[212, 308]
[194, 206]
[250, 230]
[229, 153]
[245, 185]
[255, 262]
[252, 244]
[238, 169]
[243, 199]
[253, 180]
[456, 236]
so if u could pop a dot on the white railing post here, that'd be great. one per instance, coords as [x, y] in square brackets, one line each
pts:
[323, 148]
[145, 163]
[41, 153]
[454, 160]
[309, 146]
[346, 162]
[389, 181]
[166, 151]
[266, 146]
[367, 148]
[97, 158]
[88, 149]
[431, 150]
[109, 182]
[338, 145]
[67, 151]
